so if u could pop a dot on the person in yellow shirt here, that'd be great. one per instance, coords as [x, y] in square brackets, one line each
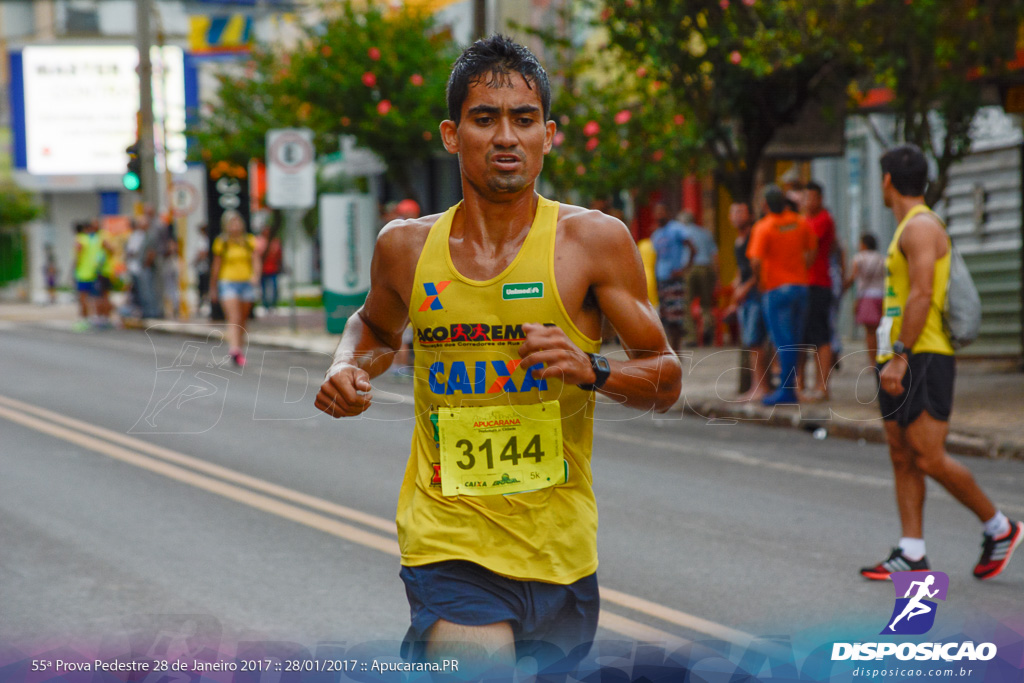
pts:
[89, 257]
[649, 256]
[497, 520]
[234, 276]
[917, 372]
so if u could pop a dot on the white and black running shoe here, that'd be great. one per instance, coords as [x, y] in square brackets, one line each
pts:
[896, 563]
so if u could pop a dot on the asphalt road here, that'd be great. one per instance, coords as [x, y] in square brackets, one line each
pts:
[144, 484]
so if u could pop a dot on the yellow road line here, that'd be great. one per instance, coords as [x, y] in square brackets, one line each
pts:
[209, 468]
[674, 616]
[636, 630]
[49, 422]
[238, 494]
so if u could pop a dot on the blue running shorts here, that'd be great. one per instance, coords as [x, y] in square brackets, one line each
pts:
[243, 291]
[88, 286]
[541, 614]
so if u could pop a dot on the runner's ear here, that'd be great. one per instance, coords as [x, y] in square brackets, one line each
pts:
[449, 136]
[549, 135]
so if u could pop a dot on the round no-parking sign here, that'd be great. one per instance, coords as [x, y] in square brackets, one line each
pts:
[184, 197]
[291, 169]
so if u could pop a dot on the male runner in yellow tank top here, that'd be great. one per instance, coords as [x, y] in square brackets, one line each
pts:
[917, 372]
[506, 292]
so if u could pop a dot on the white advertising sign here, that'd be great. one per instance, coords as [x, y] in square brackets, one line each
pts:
[81, 104]
[291, 169]
[348, 231]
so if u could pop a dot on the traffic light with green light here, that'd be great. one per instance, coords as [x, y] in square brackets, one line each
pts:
[132, 179]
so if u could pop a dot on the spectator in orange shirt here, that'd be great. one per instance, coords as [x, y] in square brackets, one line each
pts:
[781, 250]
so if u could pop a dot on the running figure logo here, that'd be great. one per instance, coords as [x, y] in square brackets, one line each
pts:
[914, 613]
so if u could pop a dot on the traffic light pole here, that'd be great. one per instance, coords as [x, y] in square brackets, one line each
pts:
[147, 152]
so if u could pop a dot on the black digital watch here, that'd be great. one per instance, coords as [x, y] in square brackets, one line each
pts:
[602, 370]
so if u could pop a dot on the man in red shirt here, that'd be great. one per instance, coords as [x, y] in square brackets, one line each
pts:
[780, 251]
[818, 331]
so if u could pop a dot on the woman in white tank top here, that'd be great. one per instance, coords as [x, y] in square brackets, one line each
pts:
[868, 272]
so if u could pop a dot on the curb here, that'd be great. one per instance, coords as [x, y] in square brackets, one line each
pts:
[959, 443]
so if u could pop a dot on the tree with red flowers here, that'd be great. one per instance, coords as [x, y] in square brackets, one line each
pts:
[746, 68]
[627, 133]
[375, 73]
[619, 127]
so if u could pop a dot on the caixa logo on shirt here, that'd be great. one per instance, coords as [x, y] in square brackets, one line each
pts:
[433, 300]
[483, 377]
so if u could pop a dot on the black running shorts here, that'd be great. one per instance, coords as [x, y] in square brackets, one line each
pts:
[927, 387]
[818, 331]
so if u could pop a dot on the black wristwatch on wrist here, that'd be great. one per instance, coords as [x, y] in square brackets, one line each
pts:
[900, 349]
[602, 370]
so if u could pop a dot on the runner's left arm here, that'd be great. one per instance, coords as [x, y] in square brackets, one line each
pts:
[651, 377]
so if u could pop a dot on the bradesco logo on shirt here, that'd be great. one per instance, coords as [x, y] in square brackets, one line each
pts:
[522, 290]
[914, 614]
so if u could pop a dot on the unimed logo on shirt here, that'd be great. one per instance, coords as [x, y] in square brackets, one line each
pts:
[523, 290]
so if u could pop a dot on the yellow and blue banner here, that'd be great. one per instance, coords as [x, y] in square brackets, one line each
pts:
[220, 34]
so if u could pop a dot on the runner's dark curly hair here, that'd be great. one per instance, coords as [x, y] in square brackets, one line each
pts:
[908, 168]
[493, 60]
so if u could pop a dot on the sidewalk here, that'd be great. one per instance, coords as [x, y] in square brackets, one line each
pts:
[987, 413]
[987, 409]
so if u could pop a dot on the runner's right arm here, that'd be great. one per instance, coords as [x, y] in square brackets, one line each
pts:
[374, 333]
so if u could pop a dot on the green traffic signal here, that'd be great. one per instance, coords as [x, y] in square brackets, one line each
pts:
[131, 181]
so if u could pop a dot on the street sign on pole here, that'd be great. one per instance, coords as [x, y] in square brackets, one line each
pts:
[291, 169]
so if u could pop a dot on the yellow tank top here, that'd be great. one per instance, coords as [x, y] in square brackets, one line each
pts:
[897, 288]
[90, 257]
[236, 257]
[467, 333]
[650, 258]
[110, 264]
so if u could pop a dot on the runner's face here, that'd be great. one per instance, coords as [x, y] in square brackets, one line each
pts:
[502, 137]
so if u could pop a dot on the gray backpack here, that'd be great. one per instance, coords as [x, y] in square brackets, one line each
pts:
[961, 317]
[961, 314]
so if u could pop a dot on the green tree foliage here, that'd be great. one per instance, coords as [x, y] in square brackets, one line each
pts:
[368, 71]
[17, 206]
[747, 67]
[936, 57]
[744, 68]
